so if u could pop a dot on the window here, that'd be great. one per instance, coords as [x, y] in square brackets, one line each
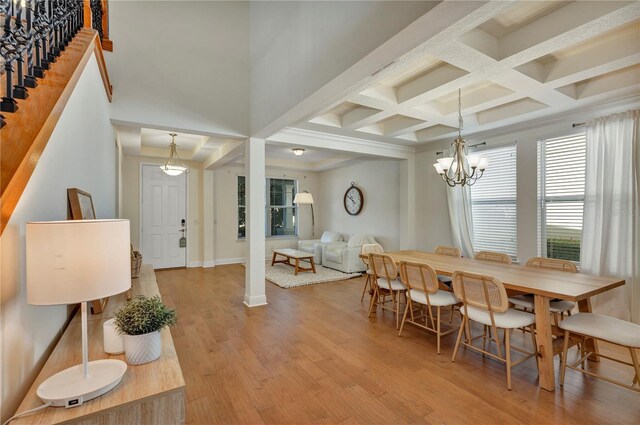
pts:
[561, 182]
[280, 210]
[241, 208]
[493, 202]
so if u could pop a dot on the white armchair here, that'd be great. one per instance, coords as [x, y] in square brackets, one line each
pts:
[345, 256]
[314, 246]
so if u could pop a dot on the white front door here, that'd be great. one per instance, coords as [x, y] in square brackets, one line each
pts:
[163, 211]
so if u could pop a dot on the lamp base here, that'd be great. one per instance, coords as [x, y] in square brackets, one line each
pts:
[70, 388]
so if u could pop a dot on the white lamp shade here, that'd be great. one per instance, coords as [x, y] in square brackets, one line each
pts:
[173, 170]
[438, 168]
[303, 198]
[73, 261]
[445, 163]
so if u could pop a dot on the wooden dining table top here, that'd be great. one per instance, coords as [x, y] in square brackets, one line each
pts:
[548, 283]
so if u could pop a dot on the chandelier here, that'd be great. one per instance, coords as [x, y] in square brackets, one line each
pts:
[460, 168]
[171, 167]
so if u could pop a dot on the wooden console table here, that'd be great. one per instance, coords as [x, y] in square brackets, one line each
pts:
[153, 393]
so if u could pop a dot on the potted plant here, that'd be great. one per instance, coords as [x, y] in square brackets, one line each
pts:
[140, 321]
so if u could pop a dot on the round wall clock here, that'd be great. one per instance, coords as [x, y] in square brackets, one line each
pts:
[353, 200]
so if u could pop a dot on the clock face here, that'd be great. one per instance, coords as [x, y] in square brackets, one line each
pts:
[353, 201]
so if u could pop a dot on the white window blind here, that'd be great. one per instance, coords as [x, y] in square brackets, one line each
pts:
[493, 200]
[561, 183]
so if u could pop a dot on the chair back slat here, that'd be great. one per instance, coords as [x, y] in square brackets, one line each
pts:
[448, 250]
[419, 276]
[552, 264]
[370, 247]
[480, 291]
[383, 266]
[495, 257]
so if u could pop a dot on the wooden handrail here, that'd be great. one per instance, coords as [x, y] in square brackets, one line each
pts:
[28, 130]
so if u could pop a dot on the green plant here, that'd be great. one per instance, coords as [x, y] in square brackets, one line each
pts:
[142, 315]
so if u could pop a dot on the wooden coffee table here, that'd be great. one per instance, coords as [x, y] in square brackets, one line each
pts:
[293, 254]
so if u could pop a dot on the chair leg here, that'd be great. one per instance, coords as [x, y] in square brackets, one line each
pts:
[459, 338]
[507, 348]
[366, 285]
[438, 332]
[496, 337]
[484, 337]
[636, 365]
[374, 299]
[534, 345]
[563, 359]
[404, 316]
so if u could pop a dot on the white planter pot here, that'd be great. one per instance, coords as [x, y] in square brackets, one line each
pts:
[141, 349]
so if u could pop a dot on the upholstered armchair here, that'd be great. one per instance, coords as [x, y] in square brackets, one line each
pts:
[345, 256]
[314, 246]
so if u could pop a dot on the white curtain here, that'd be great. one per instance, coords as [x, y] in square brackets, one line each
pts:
[459, 202]
[611, 226]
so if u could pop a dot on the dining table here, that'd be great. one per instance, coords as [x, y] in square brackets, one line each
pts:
[545, 285]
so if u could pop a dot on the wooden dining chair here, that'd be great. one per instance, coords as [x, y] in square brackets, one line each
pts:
[484, 300]
[495, 257]
[365, 250]
[557, 307]
[423, 291]
[385, 283]
[451, 252]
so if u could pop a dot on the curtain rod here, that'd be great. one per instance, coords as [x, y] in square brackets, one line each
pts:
[577, 124]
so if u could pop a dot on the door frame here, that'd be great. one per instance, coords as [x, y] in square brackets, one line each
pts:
[141, 165]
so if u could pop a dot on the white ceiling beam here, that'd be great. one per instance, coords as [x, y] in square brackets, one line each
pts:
[359, 75]
[360, 146]
[226, 153]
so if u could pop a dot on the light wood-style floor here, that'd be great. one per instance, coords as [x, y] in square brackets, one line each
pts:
[312, 356]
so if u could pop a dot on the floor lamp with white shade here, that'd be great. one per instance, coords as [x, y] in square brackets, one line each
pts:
[305, 198]
[78, 261]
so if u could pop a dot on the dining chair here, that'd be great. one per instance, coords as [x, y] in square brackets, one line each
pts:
[365, 250]
[556, 307]
[495, 257]
[451, 252]
[422, 285]
[605, 328]
[385, 283]
[484, 300]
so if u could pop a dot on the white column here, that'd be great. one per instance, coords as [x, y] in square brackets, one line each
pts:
[208, 218]
[408, 203]
[254, 293]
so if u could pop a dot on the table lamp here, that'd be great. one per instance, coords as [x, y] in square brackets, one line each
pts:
[78, 261]
[305, 198]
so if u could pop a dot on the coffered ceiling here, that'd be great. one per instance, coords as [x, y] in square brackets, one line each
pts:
[513, 61]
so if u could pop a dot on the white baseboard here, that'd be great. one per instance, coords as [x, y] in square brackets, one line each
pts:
[192, 264]
[255, 301]
[208, 264]
[224, 261]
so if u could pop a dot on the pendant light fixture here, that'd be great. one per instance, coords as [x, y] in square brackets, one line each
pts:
[172, 167]
[460, 168]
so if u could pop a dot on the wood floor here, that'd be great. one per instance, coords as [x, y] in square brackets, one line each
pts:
[312, 356]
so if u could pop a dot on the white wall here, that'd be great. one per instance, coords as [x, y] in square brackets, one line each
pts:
[291, 42]
[131, 203]
[228, 248]
[80, 153]
[181, 64]
[379, 181]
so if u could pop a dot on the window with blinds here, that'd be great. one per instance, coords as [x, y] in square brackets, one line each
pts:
[561, 184]
[493, 200]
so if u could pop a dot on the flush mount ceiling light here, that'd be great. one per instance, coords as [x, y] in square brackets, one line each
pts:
[173, 167]
[298, 151]
[460, 168]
